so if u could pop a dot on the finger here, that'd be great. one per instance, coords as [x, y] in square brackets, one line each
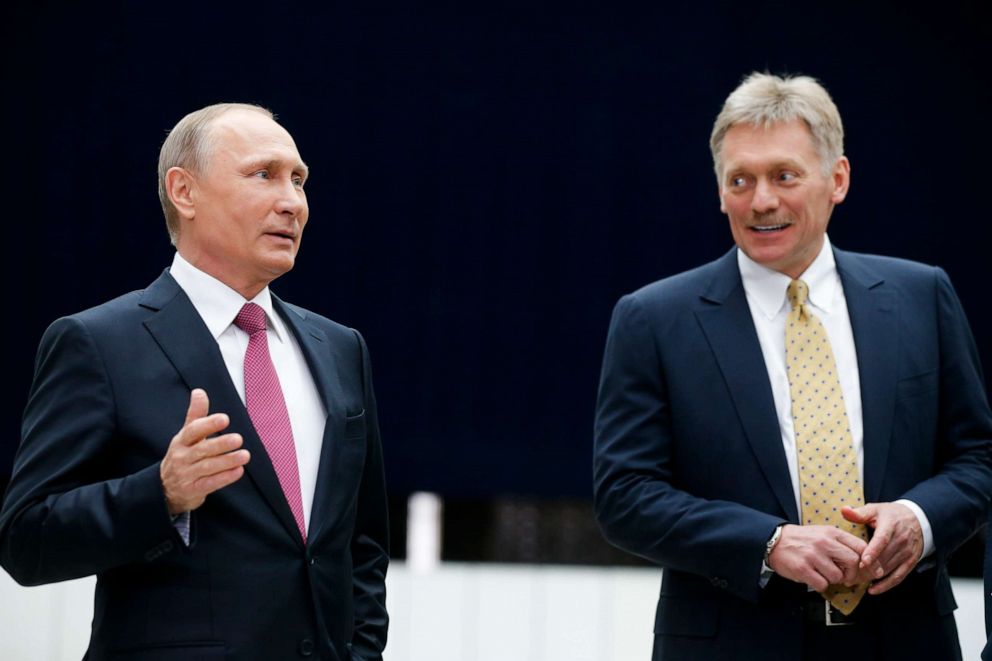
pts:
[892, 580]
[855, 544]
[199, 405]
[215, 446]
[871, 562]
[853, 576]
[199, 429]
[816, 581]
[208, 485]
[845, 556]
[876, 548]
[225, 462]
[864, 514]
[830, 572]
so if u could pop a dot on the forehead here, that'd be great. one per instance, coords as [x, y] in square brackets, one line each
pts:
[751, 145]
[245, 134]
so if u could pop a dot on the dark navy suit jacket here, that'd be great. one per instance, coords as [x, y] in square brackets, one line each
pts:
[111, 389]
[690, 472]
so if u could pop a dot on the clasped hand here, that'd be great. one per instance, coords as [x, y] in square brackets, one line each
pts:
[820, 556]
[198, 463]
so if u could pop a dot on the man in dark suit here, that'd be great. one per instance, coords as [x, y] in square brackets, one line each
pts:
[124, 472]
[987, 652]
[801, 509]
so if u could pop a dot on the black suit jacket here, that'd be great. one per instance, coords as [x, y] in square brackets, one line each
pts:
[111, 389]
[690, 471]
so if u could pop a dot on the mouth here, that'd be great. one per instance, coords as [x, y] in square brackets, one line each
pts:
[769, 229]
[289, 236]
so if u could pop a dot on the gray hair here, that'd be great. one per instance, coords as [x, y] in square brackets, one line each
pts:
[189, 146]
[763, 100]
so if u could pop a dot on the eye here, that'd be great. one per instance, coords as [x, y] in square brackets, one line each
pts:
[738, 181]
[787, 177]
[298, 181]
[261, 174]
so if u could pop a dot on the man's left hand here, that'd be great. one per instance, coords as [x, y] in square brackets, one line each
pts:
[894, 549]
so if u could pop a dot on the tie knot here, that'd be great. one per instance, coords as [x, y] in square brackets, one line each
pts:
[251, 319]
[797, 293]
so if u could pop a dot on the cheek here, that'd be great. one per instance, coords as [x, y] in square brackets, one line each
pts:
[737, 213]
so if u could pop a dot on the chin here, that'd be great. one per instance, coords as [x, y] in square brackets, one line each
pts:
[277, 267]
[768, 257]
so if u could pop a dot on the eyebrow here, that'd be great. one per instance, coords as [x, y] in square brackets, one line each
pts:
[271, 163]
[784, 164]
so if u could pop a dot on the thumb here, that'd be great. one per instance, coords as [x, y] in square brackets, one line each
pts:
[199, 405]
[864, 514]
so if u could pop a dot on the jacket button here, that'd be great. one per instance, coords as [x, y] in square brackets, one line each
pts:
[306, 647]
[313, 561]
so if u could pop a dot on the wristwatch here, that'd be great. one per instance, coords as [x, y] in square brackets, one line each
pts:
[772, 541]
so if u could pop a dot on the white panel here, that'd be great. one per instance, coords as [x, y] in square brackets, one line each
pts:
[507, 618]
[457, 613]
[574, 614]
[970, 616]
[631, 613]
[398, 591]
[441, 621]
[45, 623]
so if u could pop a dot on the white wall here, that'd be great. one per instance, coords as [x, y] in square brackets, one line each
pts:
[458, 612]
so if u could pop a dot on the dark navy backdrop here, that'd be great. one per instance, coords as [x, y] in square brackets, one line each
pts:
[486, 182]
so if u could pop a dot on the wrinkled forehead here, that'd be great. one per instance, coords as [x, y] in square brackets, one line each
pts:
[782, 141]
[241, 133]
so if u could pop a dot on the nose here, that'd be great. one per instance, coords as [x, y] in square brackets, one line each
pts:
[764, 199]
[291, 200]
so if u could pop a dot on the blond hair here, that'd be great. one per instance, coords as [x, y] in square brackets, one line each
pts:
[764, 100]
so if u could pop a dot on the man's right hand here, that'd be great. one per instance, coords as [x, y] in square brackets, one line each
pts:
[818, 556]
[195, 465]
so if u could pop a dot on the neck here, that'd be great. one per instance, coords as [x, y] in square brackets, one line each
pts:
[246, 287]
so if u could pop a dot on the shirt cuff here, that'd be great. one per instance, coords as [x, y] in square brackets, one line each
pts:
[766, 575]
[924, 525]
[181, 524]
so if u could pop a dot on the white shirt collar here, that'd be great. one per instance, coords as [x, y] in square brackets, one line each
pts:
[766, 288]
[217, 303]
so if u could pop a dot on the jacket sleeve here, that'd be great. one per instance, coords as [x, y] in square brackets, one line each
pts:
[638, 503]
[65, 515]
[370, 540]
[956, 498]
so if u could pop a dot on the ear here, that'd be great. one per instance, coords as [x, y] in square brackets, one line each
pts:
[841, 180]
[179, 186]
[719, 192]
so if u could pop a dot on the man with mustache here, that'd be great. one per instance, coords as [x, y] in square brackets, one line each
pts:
[210, 452]
[799, 435]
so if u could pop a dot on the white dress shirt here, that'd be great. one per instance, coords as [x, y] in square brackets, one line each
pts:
[218, 305]
[769, 305]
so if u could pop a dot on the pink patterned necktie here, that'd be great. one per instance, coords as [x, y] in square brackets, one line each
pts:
[267, 408]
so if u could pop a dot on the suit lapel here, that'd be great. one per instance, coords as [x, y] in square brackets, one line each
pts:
[323, 358]
[873, 321]
[192, 350]
[729, 328]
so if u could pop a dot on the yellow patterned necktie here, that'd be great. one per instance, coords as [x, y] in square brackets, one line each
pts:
[828, 467]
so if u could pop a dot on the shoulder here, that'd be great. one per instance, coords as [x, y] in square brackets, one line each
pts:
[106, 319]
[334, 331]
[889, 267]
[683, 290]
[903, 276]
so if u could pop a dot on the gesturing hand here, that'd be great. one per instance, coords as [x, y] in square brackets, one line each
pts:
[195, 465]
[896, 546]
[818, 556]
